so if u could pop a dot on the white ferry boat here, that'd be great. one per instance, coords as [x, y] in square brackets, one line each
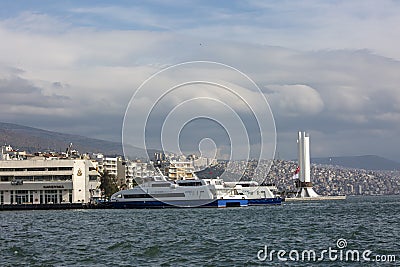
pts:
[257, 194]
[159, 192]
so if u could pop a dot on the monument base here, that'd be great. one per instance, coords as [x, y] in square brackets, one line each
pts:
[307, 192]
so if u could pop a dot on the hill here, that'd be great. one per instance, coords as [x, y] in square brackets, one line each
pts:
[33, 140]
[367, 162]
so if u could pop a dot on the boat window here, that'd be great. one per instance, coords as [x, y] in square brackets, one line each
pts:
[190, 183]
[137, 196]
[169, 195]
[161, 185]
[154, 195]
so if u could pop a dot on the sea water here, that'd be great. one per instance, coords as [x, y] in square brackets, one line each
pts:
[285, 235]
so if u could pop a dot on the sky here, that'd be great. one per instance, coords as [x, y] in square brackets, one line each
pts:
[330, 68]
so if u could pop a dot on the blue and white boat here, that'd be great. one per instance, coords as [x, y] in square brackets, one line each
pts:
[257, 195]
[159, 192]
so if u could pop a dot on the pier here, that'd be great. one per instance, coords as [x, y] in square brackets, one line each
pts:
[63, 206]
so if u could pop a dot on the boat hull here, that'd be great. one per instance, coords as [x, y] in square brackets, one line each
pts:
[219, 203]
[265, 201]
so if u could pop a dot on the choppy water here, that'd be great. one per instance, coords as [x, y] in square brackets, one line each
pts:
[200, 237]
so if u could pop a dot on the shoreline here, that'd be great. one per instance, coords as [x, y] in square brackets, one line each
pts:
[292, 199]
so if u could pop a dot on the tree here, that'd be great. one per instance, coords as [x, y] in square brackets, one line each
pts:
[108, 184]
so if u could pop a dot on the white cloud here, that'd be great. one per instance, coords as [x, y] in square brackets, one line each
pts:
[295, 100]
[85, 77]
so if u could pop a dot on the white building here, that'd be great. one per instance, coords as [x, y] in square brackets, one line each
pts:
[8, 153]
[135, 170]
[111, 165]
[200, 163]
[178, 170]
[99, 158]
[115, 166]
[48, 181]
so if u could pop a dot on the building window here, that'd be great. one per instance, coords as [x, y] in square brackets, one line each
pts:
[42, 178]
[36, 169]
[21, 196]
[93, 177]
[51, 196]
[1, 197]
[65, 168]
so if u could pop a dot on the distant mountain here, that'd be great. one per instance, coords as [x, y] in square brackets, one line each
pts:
[33, 140]
[367, 162]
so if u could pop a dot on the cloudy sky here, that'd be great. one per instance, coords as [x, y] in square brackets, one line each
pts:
[331, 68]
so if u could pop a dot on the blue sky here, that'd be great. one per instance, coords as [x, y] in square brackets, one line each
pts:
[134, 15]
[328, 67]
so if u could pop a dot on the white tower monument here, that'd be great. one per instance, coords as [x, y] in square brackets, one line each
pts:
[304, 184]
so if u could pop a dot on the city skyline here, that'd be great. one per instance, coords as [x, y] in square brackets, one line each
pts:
[329, 68]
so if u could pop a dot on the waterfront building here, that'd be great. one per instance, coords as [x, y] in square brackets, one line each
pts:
[178, 167]
[200, 163]
[8, 153]
[99, 158]
[178, 170]
[136, 171]
[44, 181]
[115, 167]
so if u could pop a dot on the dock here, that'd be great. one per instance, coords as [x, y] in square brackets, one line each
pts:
[61, 206]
